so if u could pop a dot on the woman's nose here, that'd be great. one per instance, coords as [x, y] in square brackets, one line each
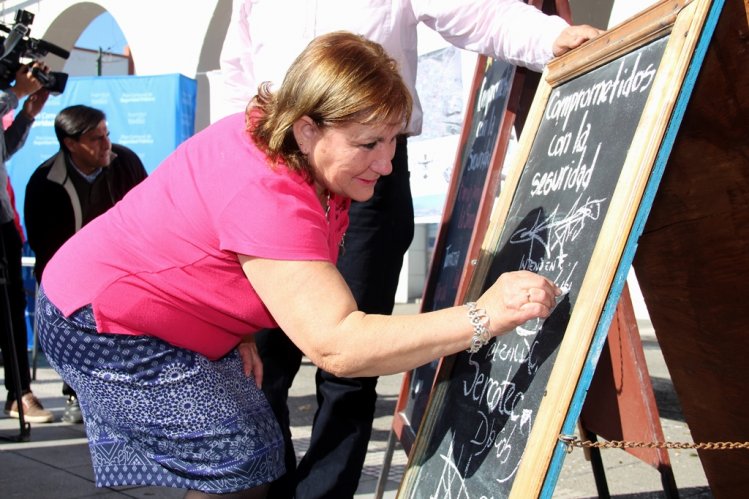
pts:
[383, 166]
[384, 163]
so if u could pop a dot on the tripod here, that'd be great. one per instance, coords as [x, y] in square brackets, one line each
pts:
[25, 428]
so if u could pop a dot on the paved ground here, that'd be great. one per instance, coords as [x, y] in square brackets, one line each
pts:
[55, 463]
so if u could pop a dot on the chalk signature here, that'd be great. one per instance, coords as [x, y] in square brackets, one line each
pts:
[560, 228]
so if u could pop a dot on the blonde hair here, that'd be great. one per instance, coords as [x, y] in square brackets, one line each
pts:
[339, 78]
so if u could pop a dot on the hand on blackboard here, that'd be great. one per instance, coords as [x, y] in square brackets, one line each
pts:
[574, 36]
[517, 297]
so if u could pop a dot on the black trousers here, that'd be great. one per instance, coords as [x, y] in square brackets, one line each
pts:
[379, 234]
[11, 267]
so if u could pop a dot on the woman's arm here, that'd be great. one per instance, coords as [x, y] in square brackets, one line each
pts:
[313, 305]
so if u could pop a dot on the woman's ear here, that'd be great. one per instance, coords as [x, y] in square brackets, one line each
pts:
[305, 132]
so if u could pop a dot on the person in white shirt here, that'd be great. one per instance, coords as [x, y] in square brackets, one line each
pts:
[263, 38]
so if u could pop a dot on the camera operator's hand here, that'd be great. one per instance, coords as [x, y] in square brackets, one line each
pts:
[26, 83]
[35, 102]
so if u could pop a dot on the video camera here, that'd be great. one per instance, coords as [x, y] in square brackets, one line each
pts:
[19, 45]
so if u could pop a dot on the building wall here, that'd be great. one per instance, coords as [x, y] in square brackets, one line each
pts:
[163, 37]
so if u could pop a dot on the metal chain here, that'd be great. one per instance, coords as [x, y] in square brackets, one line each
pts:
[571, 441]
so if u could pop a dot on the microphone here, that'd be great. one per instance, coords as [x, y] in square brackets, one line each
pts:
[52, 49]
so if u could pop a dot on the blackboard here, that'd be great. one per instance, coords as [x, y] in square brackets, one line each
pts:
[500, 97]
[590, 146]
[476, 166]
[475, 177]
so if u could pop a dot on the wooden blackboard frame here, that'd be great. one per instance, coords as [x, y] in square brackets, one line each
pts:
[682, 21]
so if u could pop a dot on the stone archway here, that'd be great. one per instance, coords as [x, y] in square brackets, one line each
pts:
[163, 36]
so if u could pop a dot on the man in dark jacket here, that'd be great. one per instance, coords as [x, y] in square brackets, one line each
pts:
[83, 180]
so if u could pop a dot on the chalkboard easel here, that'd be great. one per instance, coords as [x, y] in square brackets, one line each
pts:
[566, 211]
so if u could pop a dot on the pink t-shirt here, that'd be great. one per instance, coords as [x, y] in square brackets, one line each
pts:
[163, 261]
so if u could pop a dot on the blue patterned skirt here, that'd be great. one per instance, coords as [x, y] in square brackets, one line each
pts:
[160, 415]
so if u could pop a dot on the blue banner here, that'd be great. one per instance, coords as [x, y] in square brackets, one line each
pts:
[151, 115]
